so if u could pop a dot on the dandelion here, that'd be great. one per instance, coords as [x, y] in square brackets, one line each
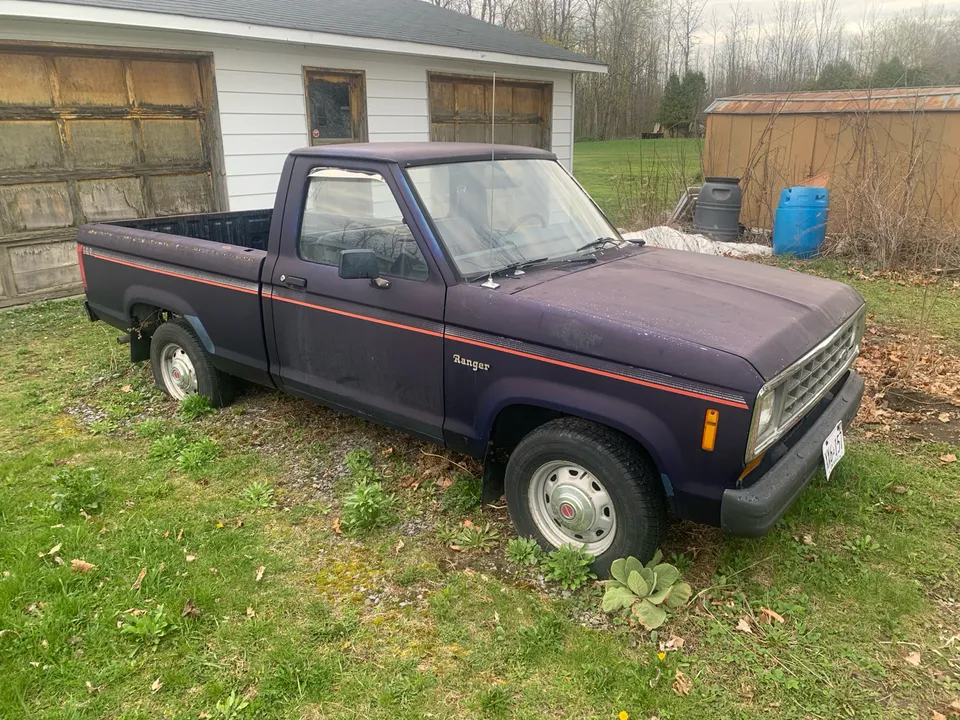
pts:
[219, 525]
[661, 655]
[624, 715]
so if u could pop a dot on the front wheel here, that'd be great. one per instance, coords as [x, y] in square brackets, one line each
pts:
[182, 366]
[574, 482]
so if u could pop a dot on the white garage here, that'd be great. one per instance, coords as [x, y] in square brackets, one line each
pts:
[136, 108]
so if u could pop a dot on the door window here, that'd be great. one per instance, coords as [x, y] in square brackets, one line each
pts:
[352, 209]
[336, 106]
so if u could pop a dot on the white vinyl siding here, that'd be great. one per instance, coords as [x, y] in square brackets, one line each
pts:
[260, 93]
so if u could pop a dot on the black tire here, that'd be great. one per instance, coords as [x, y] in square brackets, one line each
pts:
[215, 385]
[628, 476]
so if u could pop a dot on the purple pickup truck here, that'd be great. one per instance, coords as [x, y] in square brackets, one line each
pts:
[476, 297]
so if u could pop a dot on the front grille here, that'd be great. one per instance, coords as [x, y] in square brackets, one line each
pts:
[811, 379]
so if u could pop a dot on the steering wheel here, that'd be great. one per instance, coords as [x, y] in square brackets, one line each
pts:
[528, 216]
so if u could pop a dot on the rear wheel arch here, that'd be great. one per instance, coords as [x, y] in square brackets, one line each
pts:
[176, 351]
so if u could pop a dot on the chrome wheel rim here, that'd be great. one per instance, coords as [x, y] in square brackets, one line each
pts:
[570, 506]
[179, 375]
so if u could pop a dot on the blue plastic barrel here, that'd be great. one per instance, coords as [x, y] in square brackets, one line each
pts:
[800, 226]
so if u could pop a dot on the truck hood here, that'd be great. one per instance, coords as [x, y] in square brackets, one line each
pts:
[766, 315]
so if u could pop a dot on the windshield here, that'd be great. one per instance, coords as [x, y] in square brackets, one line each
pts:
[495, 215]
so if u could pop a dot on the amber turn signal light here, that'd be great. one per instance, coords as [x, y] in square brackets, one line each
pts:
[710, 429]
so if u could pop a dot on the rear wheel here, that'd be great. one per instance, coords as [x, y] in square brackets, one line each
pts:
[182, 366]
[574, 482]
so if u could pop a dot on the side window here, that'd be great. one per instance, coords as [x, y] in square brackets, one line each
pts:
[351, 209]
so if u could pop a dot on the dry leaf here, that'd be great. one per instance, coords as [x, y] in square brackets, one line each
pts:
[399, 546]
[126, 389]
[681, 685]
[767, 612]
[937, 716]
[190, 558]
[336, 526]
[468, 523]
[166, 534]
[260, 573]
[954, 707]
[674, 643]
[899, 490]
[251, 613]
[807, 539]
[81, 566]
[93, 690]
[944, 417]
[948, 458]
[239, 523]
[744, 626]
[180, 535]
[156, 685]
[913, 659]
[388, 451]
[190, 610]
[52, 551]
[445, 483]
[140, 577]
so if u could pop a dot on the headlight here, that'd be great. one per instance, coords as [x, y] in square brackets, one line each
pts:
[764, 427]
[765, 407]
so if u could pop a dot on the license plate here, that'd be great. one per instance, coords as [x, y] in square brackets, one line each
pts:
[833, 449]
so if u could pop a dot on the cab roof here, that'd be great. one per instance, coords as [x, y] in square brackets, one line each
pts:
[424, 153]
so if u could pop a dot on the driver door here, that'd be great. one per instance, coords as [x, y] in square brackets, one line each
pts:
[371, 348]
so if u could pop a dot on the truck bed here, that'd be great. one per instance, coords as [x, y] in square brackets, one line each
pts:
[247, 228]
[205, 268]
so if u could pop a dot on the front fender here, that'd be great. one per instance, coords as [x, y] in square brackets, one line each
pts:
[630, 418]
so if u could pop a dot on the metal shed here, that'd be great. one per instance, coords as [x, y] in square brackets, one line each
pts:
[878, 146]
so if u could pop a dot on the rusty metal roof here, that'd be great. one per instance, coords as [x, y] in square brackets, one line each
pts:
[817, 102]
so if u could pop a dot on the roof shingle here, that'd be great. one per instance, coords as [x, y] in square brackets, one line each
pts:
[400, 20]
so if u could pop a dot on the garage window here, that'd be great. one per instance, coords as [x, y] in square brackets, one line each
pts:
[461, 109]
[336, 103]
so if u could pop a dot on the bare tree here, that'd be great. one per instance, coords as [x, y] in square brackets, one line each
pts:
[689, 20]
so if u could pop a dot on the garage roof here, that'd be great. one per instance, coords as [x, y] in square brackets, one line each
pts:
[840, 101]
[397, 20]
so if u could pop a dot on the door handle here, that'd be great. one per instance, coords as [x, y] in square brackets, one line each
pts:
[293, 281]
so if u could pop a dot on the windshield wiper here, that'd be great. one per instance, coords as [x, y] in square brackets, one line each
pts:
[599, 243]
[513, 267]
[560, 261]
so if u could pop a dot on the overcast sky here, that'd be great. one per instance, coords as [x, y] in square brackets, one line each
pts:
[852, 10]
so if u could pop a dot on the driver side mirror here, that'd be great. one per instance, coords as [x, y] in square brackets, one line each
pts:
[359, 264]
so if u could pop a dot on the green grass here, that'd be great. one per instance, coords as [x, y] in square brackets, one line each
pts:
[188, 504]
[620, 174]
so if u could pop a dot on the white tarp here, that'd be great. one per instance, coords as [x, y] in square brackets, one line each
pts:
[667, 237]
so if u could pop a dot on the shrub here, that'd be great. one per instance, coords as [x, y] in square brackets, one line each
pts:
[569, 566]
[195, 406]
[77, 489]
[367, 508]
[649, 592]
[524, 552]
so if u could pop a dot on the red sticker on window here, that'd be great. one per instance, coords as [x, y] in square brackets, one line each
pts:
[316, 133]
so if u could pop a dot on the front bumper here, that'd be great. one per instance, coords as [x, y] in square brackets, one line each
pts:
[752, 511]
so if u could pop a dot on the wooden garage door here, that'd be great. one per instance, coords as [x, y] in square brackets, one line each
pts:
[460, 108]
[89, 136]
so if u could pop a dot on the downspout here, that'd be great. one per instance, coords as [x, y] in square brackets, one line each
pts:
[573, 116]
